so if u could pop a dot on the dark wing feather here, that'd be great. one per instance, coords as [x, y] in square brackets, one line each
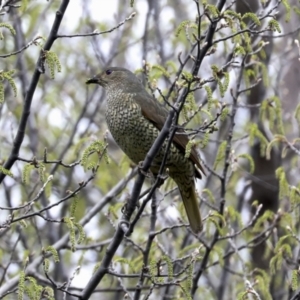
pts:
[157, 114]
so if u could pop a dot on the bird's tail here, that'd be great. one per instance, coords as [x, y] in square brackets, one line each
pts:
[190, 201]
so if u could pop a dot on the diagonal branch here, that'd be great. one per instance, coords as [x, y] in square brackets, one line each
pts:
[165, 132]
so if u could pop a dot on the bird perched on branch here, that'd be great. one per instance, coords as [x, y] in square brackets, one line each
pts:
[135, 119]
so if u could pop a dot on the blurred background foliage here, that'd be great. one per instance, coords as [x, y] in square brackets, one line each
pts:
[249, 145]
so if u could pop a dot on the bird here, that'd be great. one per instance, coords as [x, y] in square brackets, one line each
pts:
[135, 119]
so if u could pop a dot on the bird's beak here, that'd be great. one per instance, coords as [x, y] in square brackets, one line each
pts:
[94, 79]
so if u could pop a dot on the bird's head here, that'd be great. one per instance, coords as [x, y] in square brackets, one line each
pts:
[116, 78]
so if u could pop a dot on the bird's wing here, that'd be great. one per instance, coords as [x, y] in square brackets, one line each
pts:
[157, 114]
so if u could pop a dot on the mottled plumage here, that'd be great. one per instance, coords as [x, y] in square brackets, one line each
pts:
[135, 119]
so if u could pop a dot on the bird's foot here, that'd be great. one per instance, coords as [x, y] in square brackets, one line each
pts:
[124, 207]
[161, 179]
[146, 174]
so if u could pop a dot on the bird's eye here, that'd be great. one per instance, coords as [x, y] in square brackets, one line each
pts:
[108, 72]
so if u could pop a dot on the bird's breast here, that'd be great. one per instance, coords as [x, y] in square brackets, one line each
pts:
[131, 131]
[122, 119]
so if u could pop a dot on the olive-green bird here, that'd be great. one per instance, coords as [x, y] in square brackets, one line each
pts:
[135, 119]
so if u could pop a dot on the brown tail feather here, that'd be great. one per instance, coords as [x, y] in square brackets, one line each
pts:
[189, 198]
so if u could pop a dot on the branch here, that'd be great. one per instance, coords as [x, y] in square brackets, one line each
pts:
[96, 32]
[33, 42]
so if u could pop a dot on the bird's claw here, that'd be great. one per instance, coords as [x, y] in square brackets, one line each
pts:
[146, 174]
[161, 179]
